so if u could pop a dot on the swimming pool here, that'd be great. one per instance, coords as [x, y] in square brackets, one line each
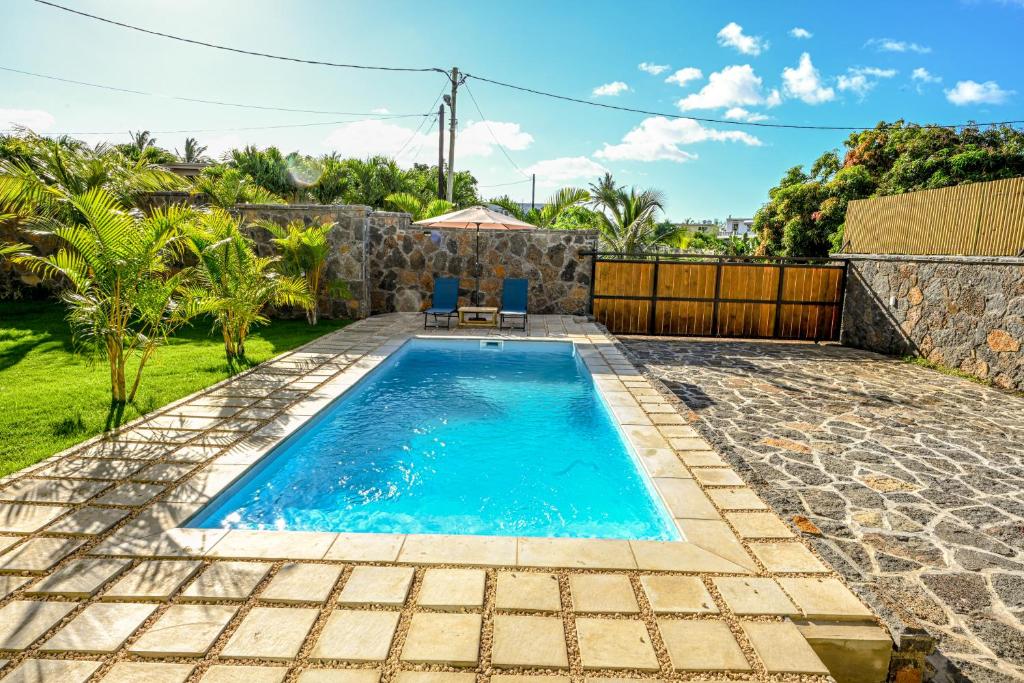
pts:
[449, 436]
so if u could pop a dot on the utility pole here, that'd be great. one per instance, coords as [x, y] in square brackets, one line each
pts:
[533, 192]
[440, 152]
[451, 134]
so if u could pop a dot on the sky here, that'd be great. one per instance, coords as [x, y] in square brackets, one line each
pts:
[804, 63]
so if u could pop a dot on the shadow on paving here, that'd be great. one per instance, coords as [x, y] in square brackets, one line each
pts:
[915, 478]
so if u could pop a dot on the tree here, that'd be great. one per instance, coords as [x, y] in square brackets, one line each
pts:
[416, 207]
[267, 168]
[194, 152]
[122, 297]
[304, 251]
[225, 187]
[232, 283]
[626, 217]
[548, 215]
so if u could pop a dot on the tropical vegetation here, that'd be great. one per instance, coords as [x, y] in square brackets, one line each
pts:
[304, 251]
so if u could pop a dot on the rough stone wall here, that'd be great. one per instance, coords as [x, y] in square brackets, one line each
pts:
[404, 260]
[961, 312]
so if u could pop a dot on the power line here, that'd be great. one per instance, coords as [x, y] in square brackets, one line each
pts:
[515, 182]
[223, 130]
[727, 122]
[221, 103]
[234, 49]
[491, 131]
[420, 127]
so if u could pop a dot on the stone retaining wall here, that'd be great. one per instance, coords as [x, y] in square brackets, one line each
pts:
[961, 312]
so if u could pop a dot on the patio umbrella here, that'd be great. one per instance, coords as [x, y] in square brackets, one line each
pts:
[480, 218]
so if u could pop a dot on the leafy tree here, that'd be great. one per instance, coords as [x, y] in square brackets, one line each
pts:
[626, 217]
[575, 217]
[549, 213]
[304, 251]
[194, 152]
[268, 168]
[225, 187]
[417, 208]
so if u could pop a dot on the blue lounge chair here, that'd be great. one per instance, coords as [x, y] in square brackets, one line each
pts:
[445, 302]
[513, 301]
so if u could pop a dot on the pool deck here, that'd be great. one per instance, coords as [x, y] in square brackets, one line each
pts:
[100, 582]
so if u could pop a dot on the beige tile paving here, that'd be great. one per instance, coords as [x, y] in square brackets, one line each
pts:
[268, 545]
[451, 589]
[787, 558]
[273, 633]
[87, 521]
[24, 519]
[129, 494]
[528, 641]
[615, 644]
[152, 580]
[51, 490]
[88, 468]
[702, 646]
[434, 677]
[220, 673]
[670, 594]
[101, 627]
[782, 649]
[527, 591]
[339, 676]
[356, 636]
[825, 598]
[754, 596]
[226, 581]
[79, 578]
[52, 670]
[148, 672]
[9, 584]
[574, 552]
[376, 586]
[718, 476]
[184, 631]
[758, 525]
[440, 638]
[302, 582]
[736, 499]
[37, 554]
[24, 621]
[603, 593]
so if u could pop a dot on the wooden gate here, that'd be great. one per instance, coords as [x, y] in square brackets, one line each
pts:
[718, 296]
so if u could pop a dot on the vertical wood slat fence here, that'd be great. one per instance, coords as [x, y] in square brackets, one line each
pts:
[709, 296]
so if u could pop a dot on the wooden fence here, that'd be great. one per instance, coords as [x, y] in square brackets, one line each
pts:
[980, 219]
[718, 296]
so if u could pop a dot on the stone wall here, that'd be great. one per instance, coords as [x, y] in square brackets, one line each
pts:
[961, 312]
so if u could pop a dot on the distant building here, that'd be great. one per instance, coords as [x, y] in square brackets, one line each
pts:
[189, 170]
[705, 226]
[736, 227]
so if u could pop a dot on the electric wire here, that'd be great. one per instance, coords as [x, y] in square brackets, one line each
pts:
[491, 131]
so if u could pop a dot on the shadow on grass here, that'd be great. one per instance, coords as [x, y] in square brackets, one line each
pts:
[115, 416]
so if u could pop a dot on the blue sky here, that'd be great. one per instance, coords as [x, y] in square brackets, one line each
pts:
[847, 64]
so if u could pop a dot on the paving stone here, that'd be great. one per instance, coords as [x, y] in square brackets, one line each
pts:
[101, 627]
[685, 499]
[193, 453]
[602, 593]
[366, 547]
[226, 581]
[781, 647]
[824, 598]
[575, 553]
[787, 558]
[356, 636]
[615, 644]
[164, 472]
[434, 677]
[274, 633]
[527, 591]
[263, 545]
[184, 631]
[339, 676]
[302, 582]
[153, 580]
[440, 638]
[88, 521]
[37, 554]
[749, 596]
[24, 519]
[736, 499]
[532, 642]
[669, 594]
[51, 490]
[79, 578]
[702, 646]
[758, 525]
[451, 589]
[719, 476]
[50, 670]
[90, 468]
[376, 586]
[8, 542]
[702, 459]
[221, 673]
[130, 494]
[150, 672]
[9, 584]
[23, 621]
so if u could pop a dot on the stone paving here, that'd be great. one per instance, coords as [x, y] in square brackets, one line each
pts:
[99, 582]
[913, 479]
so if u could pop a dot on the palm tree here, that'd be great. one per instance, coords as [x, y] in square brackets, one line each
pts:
[548, 215]
[142, 140]
[122, 297]
[304, 251]
[193, 152]
[626, 217]
[225, 187]
[416, 207]
[232, 283]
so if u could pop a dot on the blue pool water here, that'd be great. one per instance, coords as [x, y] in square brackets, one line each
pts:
[451, 438]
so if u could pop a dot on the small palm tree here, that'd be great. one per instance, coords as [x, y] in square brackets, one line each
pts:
[547, 216]
[626, 217]
[224, 187]
[121, 295]
[416, 207]
[194, 152]
[142, 139]
[233, 284]
[304, 251]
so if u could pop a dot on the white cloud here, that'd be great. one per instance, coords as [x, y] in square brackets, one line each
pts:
[924, 76]
[890, 45]
[685, 75]
[36, 119]
[563, 169]
[804, 83]
[733, 86]
[380, 110]
[798, 32]
[476, 139]
[658, 138]
[741, 114]
[610, 89]
[732, 35]
[860, 80]
[972, 92]
[653, 69]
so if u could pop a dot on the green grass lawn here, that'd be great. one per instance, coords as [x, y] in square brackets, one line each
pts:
[52, 397]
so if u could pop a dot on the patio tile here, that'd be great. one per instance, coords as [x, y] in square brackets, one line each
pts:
[184, 631]
[130, 494]
[602, 593]
[302, 582]
[702, 646]
[222, 673]
[205, 483]
[150, 672]
[167, 544]
[274, 633]
[356, 636]
[9, 584]
[51, 490]
[488, 551]
[38, 554]
[685, 499]
[702, 458]
[180, 422]
[688, 443]
[716, 476]
[645, 437]
[153, 580]
[683, 557]
[193, 453]
[125, 449]
[717, 537]
[7, 542]
[787, 558]
[533, 642]
[99, 628]
[615, 644]
[377, 586]
[662, 462]
[434, 677]
[438, 638]
[339, 676]
[365, 547]
[195, 409]
[24, 519]
[672, 418]
[163, 472]
[782, 648]
[749, 596]
[573, 552]
[270, 545]
[517, 678]
[452, 588]
[736, 499]
[80, 578]
[88, 521]
[825, 598]
[92, 468]
[23, 621]
[527, 591]
[759, 525]
[49, 670]
[677, 594]
[226, 581]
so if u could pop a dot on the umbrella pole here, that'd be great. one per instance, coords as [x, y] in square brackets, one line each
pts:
[476, 289]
